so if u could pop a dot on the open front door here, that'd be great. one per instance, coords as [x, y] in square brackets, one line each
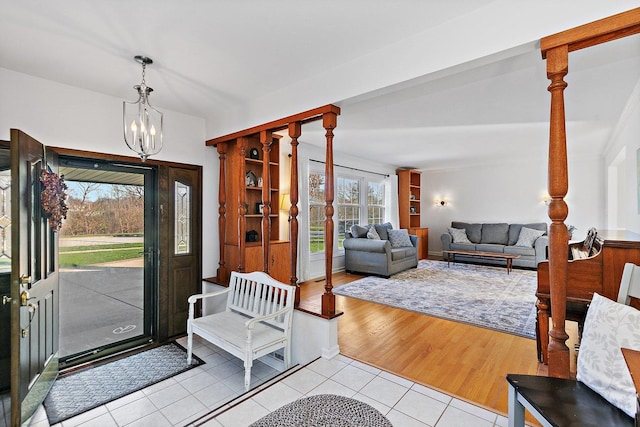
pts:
[34, 280]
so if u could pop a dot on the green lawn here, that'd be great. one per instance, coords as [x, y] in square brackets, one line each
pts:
[87, 255]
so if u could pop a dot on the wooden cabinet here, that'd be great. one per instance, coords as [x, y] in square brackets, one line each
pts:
[249, 197]
[423, 241]
[409, 208]
[409, 198]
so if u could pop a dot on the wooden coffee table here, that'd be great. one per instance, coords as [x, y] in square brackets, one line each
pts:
[451, 256]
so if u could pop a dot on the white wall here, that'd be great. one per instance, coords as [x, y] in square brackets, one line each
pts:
[65, 116]
[510, 192]
[626, 139]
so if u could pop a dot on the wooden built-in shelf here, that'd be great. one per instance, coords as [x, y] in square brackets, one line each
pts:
[409, 208]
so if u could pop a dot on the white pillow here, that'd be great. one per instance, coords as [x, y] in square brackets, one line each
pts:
[608, 327]
[528, 237]
[459, 235]
[372, 233]
[399, 238]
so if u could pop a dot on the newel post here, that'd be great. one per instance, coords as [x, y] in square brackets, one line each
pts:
[243, 143]
[222, 273]
[266, 138]
[295, 130]
[557, 68]
[329, 122]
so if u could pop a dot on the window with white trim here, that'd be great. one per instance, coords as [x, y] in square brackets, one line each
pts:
[316, 212]
[347, 206]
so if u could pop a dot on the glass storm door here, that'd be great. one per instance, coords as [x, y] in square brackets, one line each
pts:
[107, 259]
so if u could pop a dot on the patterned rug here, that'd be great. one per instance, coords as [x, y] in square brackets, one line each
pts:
[87, 389]
[326, 410]
[475, 294]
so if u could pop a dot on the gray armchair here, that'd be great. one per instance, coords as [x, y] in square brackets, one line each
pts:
[377, 257]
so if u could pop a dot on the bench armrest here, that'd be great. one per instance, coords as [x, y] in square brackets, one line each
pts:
[193, 298]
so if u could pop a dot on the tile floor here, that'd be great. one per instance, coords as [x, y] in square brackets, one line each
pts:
[188, 399]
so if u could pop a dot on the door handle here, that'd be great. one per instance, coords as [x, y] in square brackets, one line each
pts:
[25, 280]
[24, 298]
[149, 255]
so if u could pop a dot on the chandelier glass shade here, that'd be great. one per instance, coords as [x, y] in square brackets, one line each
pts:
[142, 123]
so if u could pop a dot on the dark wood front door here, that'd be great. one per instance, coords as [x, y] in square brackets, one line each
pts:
[34, 280]
[183, 245]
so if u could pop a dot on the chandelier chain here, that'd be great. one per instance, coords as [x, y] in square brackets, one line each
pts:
[144, 67]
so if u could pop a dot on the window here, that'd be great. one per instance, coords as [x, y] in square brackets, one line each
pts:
[375, 202]
[182, 237]
[350, 204]
[316, 212]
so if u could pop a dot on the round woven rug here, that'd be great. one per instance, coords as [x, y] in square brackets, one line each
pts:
[324, 410]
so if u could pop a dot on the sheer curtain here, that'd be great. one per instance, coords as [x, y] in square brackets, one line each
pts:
[391, 196]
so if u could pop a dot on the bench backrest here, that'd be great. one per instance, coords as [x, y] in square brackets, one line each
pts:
[258, 294]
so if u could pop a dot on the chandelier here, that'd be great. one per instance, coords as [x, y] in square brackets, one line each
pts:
[142, 123]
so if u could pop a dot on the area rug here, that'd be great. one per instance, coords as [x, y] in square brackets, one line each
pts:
[479, 295]
[87, 389]
[327, 410]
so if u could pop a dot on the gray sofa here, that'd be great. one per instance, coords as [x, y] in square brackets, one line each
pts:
[363, 255]
[501, 238]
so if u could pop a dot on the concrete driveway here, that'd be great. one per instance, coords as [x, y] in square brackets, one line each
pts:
[100, 304]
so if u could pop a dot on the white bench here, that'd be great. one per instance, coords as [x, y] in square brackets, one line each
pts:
[256, 321]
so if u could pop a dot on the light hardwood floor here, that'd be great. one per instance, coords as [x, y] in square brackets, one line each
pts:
[466, 361]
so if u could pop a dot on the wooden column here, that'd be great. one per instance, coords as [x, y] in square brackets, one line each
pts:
[557, 68]
[329, 121]
[222, 273]
[266, 138]
[295, 130]
[242, 204]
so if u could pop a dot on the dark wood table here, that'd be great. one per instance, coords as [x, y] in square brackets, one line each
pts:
[451, 256]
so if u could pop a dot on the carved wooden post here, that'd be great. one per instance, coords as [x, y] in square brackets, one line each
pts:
[266, 138]
[329, 121]
[557, 68]
[295, 130]
[242, 203]
[222, 274]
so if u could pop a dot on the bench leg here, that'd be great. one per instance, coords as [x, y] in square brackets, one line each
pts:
[248, 363]
[287, 355]
[189, 343]
[516, 410]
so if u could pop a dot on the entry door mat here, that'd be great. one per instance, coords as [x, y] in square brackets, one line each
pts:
[81, 391]
[478, 295]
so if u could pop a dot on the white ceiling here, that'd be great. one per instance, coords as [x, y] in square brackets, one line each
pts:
[214, 59]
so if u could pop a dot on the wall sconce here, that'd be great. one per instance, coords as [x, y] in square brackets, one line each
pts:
[546, 198]
[441, 202]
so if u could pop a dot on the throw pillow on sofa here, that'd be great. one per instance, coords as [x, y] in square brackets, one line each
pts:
[372, 233]
[358, 231]
[458, 235]
[399, 238]
[528, 237]
[382, 230]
